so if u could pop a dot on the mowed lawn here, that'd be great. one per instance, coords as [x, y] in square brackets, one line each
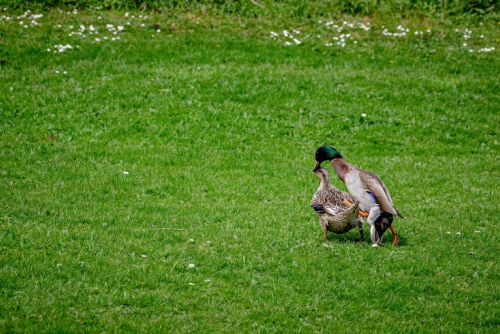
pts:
[156, 173]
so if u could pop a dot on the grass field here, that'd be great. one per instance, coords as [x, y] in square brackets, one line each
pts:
[156, 172]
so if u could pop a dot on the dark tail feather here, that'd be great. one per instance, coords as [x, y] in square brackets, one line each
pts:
[383, 222]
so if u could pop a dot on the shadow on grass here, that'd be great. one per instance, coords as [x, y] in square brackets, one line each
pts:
[353, 238]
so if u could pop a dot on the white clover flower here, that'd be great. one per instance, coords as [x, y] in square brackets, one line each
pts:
[191, 266]
[487, 49]
[62, 48]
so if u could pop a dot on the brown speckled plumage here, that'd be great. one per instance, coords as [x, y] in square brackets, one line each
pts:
[337, 211]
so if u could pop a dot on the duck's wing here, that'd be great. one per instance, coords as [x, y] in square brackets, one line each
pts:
[377, 188]
[331, 201]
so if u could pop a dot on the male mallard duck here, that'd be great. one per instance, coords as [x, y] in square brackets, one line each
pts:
[337, 211]
[367, 189]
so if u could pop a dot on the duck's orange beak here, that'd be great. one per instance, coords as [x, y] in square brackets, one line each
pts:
[317, 166]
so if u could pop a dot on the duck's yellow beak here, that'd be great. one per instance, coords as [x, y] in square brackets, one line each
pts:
[317, 166]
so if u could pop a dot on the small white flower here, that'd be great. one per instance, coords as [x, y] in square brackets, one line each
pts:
[191, 266]
[191, 284]
[363, 115]
[125, 172]
[458, 233]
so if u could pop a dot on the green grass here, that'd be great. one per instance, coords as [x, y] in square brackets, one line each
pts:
[161, 182]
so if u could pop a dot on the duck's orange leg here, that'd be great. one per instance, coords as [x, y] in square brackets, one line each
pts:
[395, 237]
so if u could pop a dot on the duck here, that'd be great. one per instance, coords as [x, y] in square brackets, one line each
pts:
[366, 188]
[337, 211]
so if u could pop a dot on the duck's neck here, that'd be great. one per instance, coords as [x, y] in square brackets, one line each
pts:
[341, 167]
[324, 182]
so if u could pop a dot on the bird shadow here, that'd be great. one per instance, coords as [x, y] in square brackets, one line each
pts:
[354, 238]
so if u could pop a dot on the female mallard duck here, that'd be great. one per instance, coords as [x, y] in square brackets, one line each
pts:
[337, 211]
[367, 189]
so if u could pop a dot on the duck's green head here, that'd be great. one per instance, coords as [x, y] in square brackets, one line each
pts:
[325, 153]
